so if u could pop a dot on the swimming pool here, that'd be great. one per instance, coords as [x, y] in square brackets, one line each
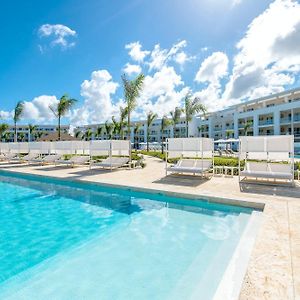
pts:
[70, 240]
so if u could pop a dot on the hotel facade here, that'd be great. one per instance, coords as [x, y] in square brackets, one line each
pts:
[277, 114]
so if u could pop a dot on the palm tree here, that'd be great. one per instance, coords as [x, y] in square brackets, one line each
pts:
[247, 126]
[108, 129]
[200, 130]
[229, 133]
[78, 134]
[175, 118]
[165, 122]
[116, 127]
[132, 90]
[63, 106]
[39, 134]
[88, 134]
[31, 129]
[6, 136]
[191, 107]
[3, 129]
[98, 132]
[150, 118]
[18, 111]
[136, 130]
[123, 115]
[21, 136]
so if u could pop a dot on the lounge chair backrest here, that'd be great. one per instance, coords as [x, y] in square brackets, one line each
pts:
[206, 164]
[280, 168]
[186, 163]
[79, 159]
[257, 166]
[120, 160]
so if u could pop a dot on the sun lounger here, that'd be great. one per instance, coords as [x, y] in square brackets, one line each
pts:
[195, 166]
[30, 157]
[9, 156]
[74, 161]
[268, 170]
[48, 159]
[112, 162]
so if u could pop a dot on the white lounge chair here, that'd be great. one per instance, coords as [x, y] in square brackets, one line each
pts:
[74, 161]
[111, 163]
[194, 166]
[268, 170]
[9, 156]
[48, 159]
[30, 157]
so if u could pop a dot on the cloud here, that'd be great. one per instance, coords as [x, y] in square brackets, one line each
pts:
[130, 69]
[160, 57]
[136, 52]
[162, 92]
[213, 68]
[98, 105]
[235, 2]
[59, 34]
[5, 115]
[38, 109]
[267, 59]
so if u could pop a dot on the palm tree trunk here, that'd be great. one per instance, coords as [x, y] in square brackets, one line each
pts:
[147, 139]
[15, 137]
[174, 131]
[128, 126]
[59, 128]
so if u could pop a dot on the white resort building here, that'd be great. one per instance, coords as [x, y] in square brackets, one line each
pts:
[277, 114]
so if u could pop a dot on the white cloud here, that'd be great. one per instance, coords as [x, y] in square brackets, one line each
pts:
[38, 109]
[136, 52]
[5, 115]
[160, 57]
[268, 57]
[60, 35]
[162, 92]
[130, 69]
[213, 68]
[98, 105]
[235, 2]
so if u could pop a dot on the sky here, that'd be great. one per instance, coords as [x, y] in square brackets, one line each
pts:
[222, 51]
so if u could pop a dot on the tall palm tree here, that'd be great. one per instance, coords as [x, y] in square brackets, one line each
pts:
[98, 132]
[31, 129]
[165, 122]
[3, 129]
[192, 107]
[18, 111]
[108, 129]
[88, 134]
[150, 118]
[175, 118]
[123, 115]
[63, 106]
[132, 90]
[136, 130]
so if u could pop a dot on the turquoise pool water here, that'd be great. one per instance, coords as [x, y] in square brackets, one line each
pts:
[63, 240]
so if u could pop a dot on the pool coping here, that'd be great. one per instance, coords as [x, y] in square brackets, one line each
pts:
[190, 196]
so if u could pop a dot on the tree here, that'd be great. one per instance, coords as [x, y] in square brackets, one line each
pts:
[165, 122]
[123, 115]
[21, 136]
[64, 105]
[136, 130]
[229, 133]
[150, 118]
[39, 134]
[78, 134]
[175, 118]
[88, 134]
[132, 90]
[6, 136]
[247, 126]
[98, 132]
[108, 129]
[18, 111]
[31, 129]
[3, 130]
[116, 127]
[191, 107]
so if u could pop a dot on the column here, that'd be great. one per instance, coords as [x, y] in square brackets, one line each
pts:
[276, 119]
[255, 125]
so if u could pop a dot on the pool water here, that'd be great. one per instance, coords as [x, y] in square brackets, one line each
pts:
[69, 240]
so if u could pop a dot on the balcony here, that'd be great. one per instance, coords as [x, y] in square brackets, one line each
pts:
[265, 122]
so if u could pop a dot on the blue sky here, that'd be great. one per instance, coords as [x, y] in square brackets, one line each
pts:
[36, 69]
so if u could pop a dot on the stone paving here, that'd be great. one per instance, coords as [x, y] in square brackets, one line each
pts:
[274, 267]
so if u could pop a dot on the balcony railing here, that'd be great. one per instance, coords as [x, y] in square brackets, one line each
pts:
[289, 119]
[265, 122]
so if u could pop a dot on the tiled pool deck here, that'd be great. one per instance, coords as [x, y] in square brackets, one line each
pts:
[274, 267]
